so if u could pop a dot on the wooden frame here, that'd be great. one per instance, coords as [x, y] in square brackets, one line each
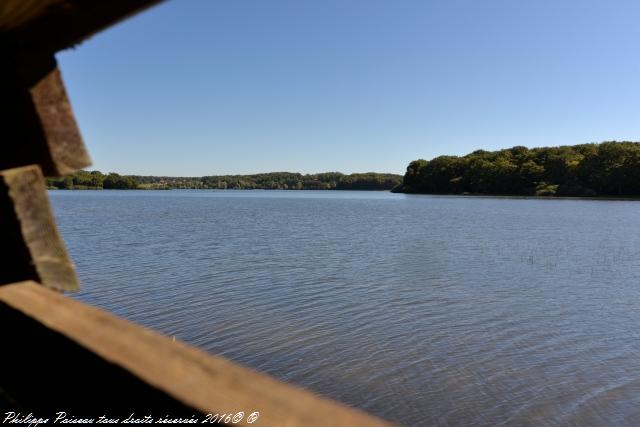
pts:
[59, 354]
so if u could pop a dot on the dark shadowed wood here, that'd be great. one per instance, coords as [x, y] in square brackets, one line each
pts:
[44, 372]
[17, 13]
[53, 25]
[25, 190]
[197, 380]
[15, 260]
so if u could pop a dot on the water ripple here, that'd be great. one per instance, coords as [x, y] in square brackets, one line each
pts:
[447, 311]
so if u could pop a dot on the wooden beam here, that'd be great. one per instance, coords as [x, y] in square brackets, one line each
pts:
[53, 25]
[208, 384]
[18, 13]
[37, 125]
[61, 132]
[24, 189]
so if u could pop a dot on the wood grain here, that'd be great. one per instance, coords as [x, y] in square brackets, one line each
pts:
[37, 124]
[27, 192]
[66, 148]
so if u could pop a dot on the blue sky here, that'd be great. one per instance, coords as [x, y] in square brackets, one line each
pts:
[204, 87]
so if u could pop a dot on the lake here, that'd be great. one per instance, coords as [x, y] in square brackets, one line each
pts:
[424, 310]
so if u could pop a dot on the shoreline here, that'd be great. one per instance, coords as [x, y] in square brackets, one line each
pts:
[520, 196]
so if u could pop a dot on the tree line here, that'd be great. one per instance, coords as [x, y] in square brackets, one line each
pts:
[606, 169]
[267, 181]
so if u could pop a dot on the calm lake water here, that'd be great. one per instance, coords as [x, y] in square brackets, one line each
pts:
[420, 309]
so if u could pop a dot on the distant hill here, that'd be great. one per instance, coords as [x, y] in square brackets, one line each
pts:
[605, 169]
[265, 181]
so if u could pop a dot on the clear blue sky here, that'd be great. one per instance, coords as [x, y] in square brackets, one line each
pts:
[202, 87]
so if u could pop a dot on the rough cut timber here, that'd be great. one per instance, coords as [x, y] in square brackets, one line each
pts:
[36, 121]
[58, 124]
[38, 250]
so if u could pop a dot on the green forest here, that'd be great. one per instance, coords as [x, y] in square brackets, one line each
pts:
[265, 181]
[605, 169]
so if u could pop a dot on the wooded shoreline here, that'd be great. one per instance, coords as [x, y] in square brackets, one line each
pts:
[96, 180]
[608, 169]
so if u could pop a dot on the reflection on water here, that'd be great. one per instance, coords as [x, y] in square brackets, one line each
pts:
[423, 310]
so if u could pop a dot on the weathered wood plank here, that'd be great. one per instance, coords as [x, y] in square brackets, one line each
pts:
[206, 383]
[67, 151]
[37, 125]
[26, 190]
